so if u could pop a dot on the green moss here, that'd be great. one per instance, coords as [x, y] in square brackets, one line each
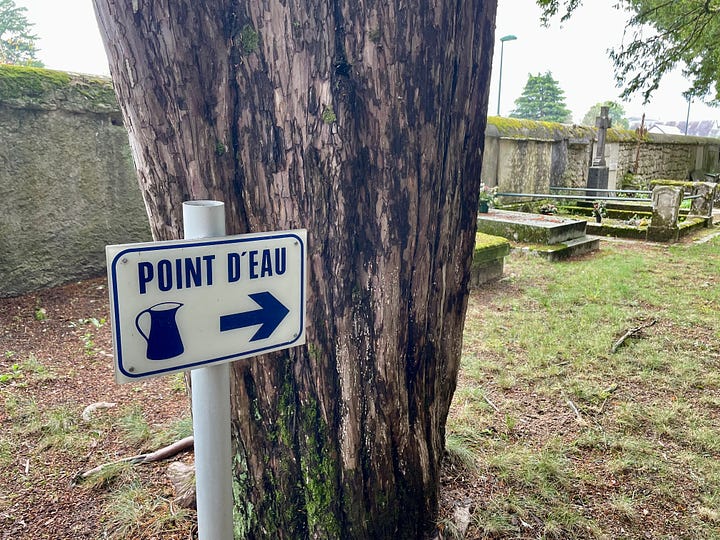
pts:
[220, 148]
[328, 115]
[675, 183]
[691, 223]
[18, 82]
[320, 475]
[95, 90]
[249, 39]
[374, 35]
[46, 88]
[243, 509]
[517, 128]
[617, 230]
[517, 231]
[489, 247]
[622, 135]
[483, 240]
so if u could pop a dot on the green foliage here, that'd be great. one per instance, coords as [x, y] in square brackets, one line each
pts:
[30, 368]
[542, 99]
[617, 114]
[17, 44]
[684, 33]
[14, 372]
[487, 194]
[662, 35]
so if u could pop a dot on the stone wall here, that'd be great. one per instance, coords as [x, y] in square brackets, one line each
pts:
[67, 181]
[68, 185]
[522, 156]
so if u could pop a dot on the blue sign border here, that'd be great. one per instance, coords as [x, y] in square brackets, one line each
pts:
[202, 243]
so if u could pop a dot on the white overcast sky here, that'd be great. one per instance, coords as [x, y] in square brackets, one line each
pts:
[576, 53]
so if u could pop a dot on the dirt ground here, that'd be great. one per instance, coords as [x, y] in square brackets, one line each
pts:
[63, 329]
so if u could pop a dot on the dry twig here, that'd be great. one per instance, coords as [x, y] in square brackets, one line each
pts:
[158, 455]
[487, 399]
[630, 333]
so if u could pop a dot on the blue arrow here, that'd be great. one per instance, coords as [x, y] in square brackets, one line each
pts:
[269, 316]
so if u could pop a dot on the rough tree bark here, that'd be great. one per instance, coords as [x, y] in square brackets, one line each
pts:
[362, 122]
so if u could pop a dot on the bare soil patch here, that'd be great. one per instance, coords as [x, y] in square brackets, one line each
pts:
[63, 331]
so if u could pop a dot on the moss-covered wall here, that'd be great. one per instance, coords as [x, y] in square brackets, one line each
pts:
[528, 156]
[67, 181]
[68, 185]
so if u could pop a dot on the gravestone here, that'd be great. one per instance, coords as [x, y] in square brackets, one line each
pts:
[599, 172]
[665, 212]
[703, 205]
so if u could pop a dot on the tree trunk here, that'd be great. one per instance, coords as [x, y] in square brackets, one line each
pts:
[363, 123]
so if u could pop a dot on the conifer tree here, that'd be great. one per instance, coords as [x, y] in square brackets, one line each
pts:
[542, 99]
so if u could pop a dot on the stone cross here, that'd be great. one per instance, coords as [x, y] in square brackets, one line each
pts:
[602, 122]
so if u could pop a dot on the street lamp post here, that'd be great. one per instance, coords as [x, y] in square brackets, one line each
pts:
[503, 39]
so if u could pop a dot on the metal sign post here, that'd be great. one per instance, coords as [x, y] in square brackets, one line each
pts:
[211, 406]
[197, 304]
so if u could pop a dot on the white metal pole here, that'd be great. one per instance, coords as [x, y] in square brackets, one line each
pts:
[502, 50]
[211, 407]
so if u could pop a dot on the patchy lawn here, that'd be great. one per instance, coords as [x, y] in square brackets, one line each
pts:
[550, 435]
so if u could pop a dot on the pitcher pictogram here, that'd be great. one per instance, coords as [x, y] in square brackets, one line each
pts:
[163, 339]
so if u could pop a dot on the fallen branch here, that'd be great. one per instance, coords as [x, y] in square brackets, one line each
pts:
[158, 455]
[630, 333]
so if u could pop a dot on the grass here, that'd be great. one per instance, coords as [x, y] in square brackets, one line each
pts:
[17, 372]
[139, 433]
[573, 441]
[133, 511]
[134, 507]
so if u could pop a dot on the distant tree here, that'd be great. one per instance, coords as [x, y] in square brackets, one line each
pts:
[17, 44]
[663, 34]
[617, 114]
[542, 99]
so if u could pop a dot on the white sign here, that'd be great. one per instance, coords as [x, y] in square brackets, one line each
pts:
[185, 304]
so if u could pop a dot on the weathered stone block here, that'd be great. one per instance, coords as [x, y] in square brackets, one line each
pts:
[703, 205]
[530, 228]
[488, 258]
[665, 212]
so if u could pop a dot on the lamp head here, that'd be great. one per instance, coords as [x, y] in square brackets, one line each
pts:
[509, 37]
